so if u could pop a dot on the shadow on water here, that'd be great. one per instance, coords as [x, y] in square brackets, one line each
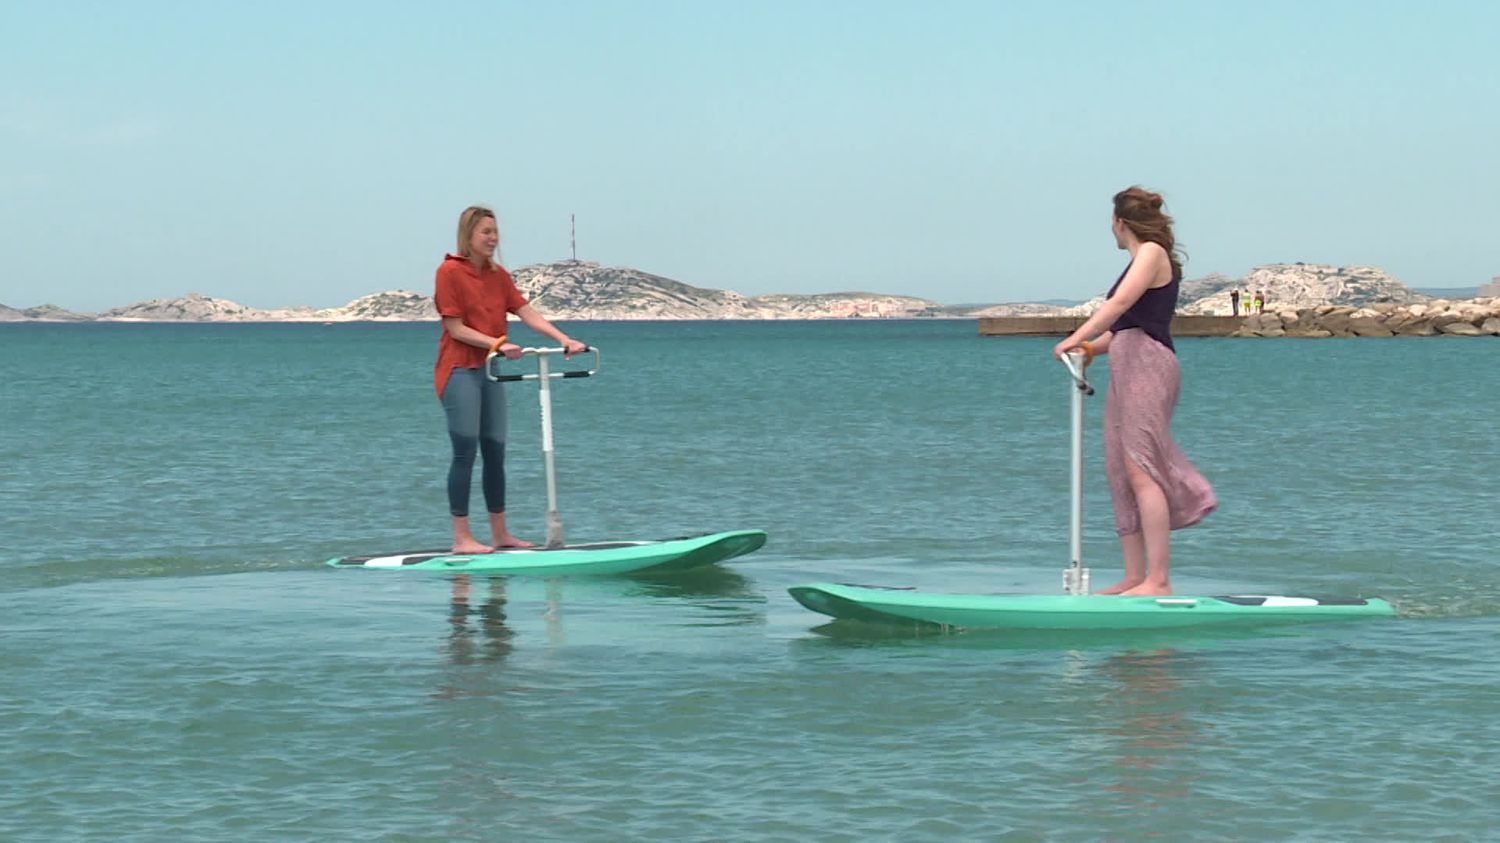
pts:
[863, 634]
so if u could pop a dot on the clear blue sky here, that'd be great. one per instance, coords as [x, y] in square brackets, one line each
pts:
[310, 152]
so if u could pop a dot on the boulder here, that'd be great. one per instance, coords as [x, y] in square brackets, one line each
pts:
[1368, 326]
[1336, 323]
[1461, 329]
[1396, 321]
[1262, 322]
[1418, 328]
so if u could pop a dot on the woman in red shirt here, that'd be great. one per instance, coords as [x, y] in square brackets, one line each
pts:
[474, 296]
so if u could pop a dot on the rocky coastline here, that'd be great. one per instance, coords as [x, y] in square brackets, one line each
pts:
[1466, 318]
[1301, 300]
[565, 290]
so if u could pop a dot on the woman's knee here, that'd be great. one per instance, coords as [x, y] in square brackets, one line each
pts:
[465, 446]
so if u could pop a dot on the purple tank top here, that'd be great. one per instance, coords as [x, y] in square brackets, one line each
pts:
[1152, 312]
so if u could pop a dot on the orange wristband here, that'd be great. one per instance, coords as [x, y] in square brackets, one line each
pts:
[495, 346]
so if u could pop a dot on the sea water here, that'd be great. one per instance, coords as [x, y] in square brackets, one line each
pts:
[177, 663]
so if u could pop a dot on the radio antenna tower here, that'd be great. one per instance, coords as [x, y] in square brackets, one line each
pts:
[573, 222]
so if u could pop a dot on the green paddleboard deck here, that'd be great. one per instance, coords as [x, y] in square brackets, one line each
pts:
[1065, 612]
[626, 557]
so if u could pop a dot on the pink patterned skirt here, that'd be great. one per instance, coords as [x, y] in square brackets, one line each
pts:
[1143, 384]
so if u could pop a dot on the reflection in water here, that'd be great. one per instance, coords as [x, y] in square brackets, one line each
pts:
[1138, 691]
[708, 581]
[732, 601]
[480, 634]
[553, 614]
[480, 631]
[1149, 708]
[496, 637]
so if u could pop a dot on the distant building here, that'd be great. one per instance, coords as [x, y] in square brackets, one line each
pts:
[1492, 288]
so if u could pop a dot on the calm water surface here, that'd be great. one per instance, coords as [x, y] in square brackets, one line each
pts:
[178, 664]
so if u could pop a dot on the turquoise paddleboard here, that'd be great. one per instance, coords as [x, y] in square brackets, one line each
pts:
[1076, 612]
[625, 557]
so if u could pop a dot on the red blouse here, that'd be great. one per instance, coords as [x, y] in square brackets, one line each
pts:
[480, 297]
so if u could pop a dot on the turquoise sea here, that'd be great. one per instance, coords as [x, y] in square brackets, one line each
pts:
[178, 664]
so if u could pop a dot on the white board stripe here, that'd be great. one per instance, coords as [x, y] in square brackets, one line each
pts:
[1290, 601]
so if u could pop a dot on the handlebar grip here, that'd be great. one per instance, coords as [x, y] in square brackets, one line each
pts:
[1076, 368]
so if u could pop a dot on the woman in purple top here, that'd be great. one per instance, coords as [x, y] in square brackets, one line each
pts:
[1155, 489]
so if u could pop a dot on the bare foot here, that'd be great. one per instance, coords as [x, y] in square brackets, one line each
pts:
[470, 548]
[1120, 587]
[1149, 589]
[508, 540]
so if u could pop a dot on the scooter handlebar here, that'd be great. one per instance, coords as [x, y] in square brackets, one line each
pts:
[493, 361]
[1074, 361]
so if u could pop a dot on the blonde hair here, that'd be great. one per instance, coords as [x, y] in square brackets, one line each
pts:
[467, 222]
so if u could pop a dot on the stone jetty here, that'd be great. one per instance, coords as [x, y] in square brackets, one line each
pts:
[1461, 318]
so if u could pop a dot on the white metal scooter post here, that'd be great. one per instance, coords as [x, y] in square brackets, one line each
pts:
[1076, 577]
[544, 374]
[554, 520]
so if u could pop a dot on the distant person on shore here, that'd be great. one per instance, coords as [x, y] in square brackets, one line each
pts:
[1260, 301]
[1155, 489]
[1234, 302]
[474, 295]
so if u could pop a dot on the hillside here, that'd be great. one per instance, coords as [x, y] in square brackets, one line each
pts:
[1284, 285]
[585, 290]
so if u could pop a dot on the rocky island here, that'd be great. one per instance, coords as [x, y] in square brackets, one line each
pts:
[1300, 299]
[563, 290]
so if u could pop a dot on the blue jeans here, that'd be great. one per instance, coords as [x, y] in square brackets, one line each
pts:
[475, 407]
